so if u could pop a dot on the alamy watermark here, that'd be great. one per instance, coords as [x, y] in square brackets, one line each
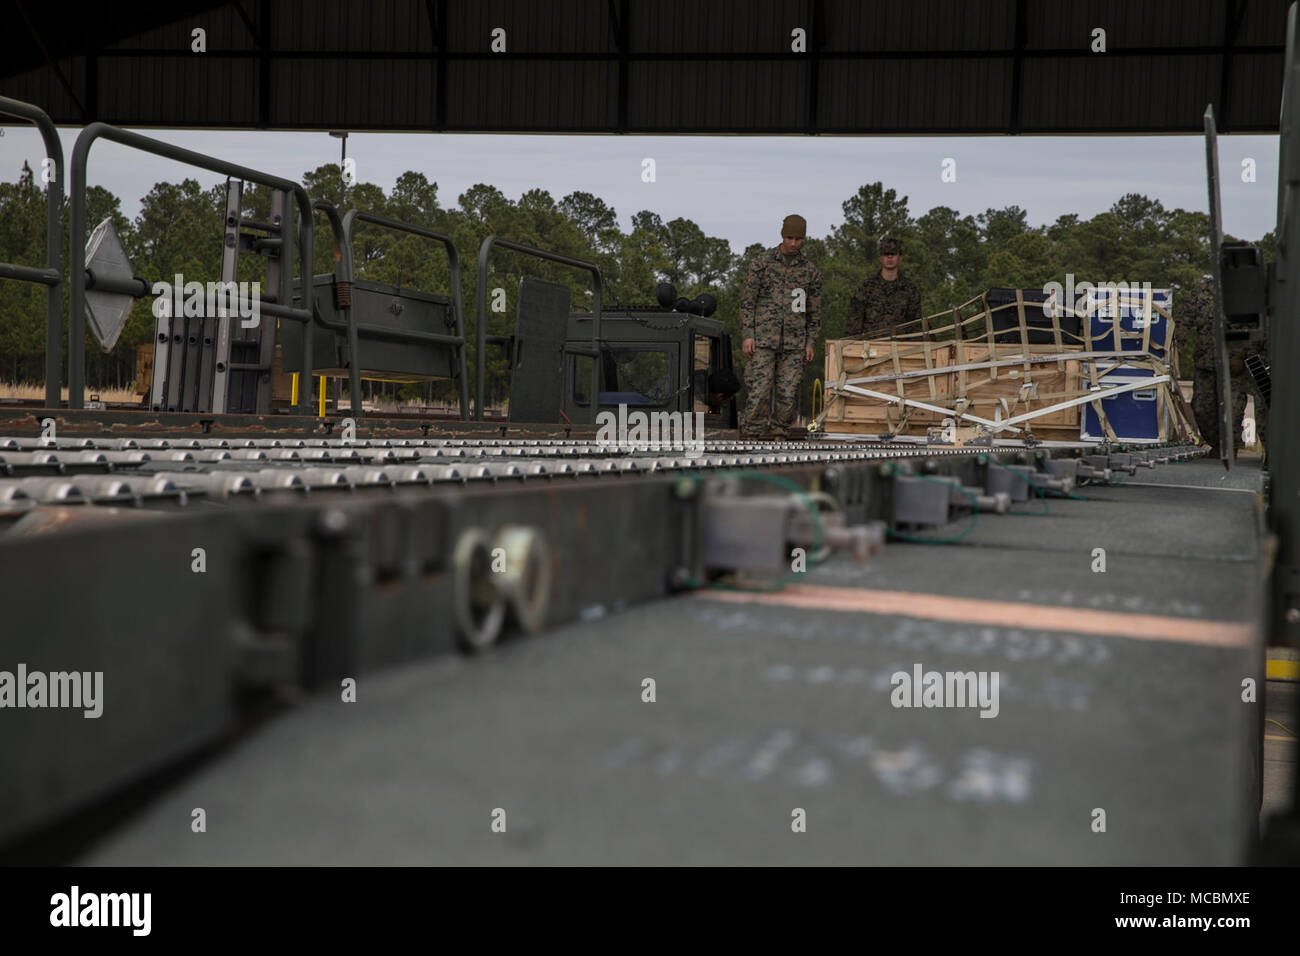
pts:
[217, 299]
[77, 909]
[1079, 297]
[923, 688]
[677, 432]
[75, 689]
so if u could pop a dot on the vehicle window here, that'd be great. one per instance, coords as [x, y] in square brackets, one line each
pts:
[634, 376]
[580, 373]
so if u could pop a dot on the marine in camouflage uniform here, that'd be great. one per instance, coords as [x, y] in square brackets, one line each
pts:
[1196, 311]
[779, 328]
[881, 303]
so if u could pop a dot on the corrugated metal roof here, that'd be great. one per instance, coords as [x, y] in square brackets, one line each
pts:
[919, 26]
[226, 30]
[898, 95]
[926, 66]
[557, 26]
[1122, 93]
[531, 95]
[721, 26]
[352, 94]
[669, 97]
[376, 26]
[1128, 23]
[218, 91]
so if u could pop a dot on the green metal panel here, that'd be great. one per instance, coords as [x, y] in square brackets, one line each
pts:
[376, 308]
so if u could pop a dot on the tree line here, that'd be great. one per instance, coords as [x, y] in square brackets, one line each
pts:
[951, 257]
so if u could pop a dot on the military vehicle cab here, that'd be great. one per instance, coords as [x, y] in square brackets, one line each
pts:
[651, 358]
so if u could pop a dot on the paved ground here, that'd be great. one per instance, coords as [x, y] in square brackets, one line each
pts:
[1279, 747]
[773, 713]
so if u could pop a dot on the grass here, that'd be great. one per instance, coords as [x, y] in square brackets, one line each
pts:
[35, 391]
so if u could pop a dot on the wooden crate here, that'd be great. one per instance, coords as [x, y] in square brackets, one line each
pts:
[986, 389]
[1052, 382]
[861, 359]
[959, 338]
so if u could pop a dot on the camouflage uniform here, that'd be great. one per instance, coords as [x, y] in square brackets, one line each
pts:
[780, 334]
[1196, 310]
[878, 307]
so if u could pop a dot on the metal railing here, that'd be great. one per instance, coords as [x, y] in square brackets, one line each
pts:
[80, 280]
[481, 313]
[343, 230]
[52, 275]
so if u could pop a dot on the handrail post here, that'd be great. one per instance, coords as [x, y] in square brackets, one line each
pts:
[53, 282]
[345, 275]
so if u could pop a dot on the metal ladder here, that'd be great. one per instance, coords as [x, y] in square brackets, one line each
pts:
[245, 357]
[211, 362]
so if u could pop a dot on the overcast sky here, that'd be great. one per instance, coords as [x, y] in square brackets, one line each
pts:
[736, 187]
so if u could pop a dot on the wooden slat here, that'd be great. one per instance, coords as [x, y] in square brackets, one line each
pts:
[914, 428]
[1063, 384]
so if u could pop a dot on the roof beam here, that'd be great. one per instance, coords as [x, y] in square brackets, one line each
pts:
[52, 63]
[815, 63]
[264, 67]
[1017, 67]
[1233, 11]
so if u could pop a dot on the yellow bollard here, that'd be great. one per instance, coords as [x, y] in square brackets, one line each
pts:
[293, 391]
[322, 397]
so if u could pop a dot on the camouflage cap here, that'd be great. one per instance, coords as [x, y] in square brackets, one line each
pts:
[794, 226]
[890, 246]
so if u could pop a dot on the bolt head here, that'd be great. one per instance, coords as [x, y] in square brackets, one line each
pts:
[334, 521]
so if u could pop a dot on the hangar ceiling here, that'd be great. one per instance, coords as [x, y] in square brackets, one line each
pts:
[667, 66]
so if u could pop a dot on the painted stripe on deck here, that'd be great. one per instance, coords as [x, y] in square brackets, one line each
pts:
[938, 607]
[1161, 484]
[1282, 670]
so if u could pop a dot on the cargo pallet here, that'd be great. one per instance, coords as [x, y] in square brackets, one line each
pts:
[1022, 370]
